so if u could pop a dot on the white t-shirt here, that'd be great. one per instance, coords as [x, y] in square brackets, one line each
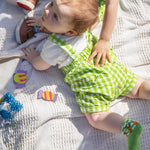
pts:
[54, 55]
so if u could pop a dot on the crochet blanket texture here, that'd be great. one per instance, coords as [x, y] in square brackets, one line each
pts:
[47, 125]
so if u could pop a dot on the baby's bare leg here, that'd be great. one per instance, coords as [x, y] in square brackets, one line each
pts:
[141, 90]
[107, 121]
[112, 122]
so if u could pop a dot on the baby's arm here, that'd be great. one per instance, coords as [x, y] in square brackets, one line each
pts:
[33, 57]
[101, 48]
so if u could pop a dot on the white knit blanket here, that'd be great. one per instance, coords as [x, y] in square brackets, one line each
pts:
[44, 125]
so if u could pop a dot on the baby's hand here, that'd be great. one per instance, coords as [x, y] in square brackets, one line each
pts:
[34, 21]
[30, 54]
[101, 52]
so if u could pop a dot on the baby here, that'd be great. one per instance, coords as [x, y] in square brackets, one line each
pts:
[69, 46]
[107, 14]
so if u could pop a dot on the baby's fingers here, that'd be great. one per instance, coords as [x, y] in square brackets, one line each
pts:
[30, 19]
[31, 22]
[25, 50]
[108, 57]
[103, 59]
[92, 56]
[98, 57]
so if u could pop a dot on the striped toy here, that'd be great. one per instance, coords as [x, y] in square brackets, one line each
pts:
[47, 95]
[20, 78]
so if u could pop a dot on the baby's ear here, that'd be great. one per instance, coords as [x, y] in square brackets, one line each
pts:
[71, 33]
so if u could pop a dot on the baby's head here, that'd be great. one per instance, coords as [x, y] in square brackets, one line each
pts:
[70, 17]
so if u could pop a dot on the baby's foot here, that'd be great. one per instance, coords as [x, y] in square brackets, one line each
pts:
[133, 130]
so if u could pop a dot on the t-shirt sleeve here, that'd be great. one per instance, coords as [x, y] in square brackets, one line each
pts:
[52, 54]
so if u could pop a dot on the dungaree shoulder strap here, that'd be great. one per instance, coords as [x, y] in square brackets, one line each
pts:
[64, 45]
[55, 38]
